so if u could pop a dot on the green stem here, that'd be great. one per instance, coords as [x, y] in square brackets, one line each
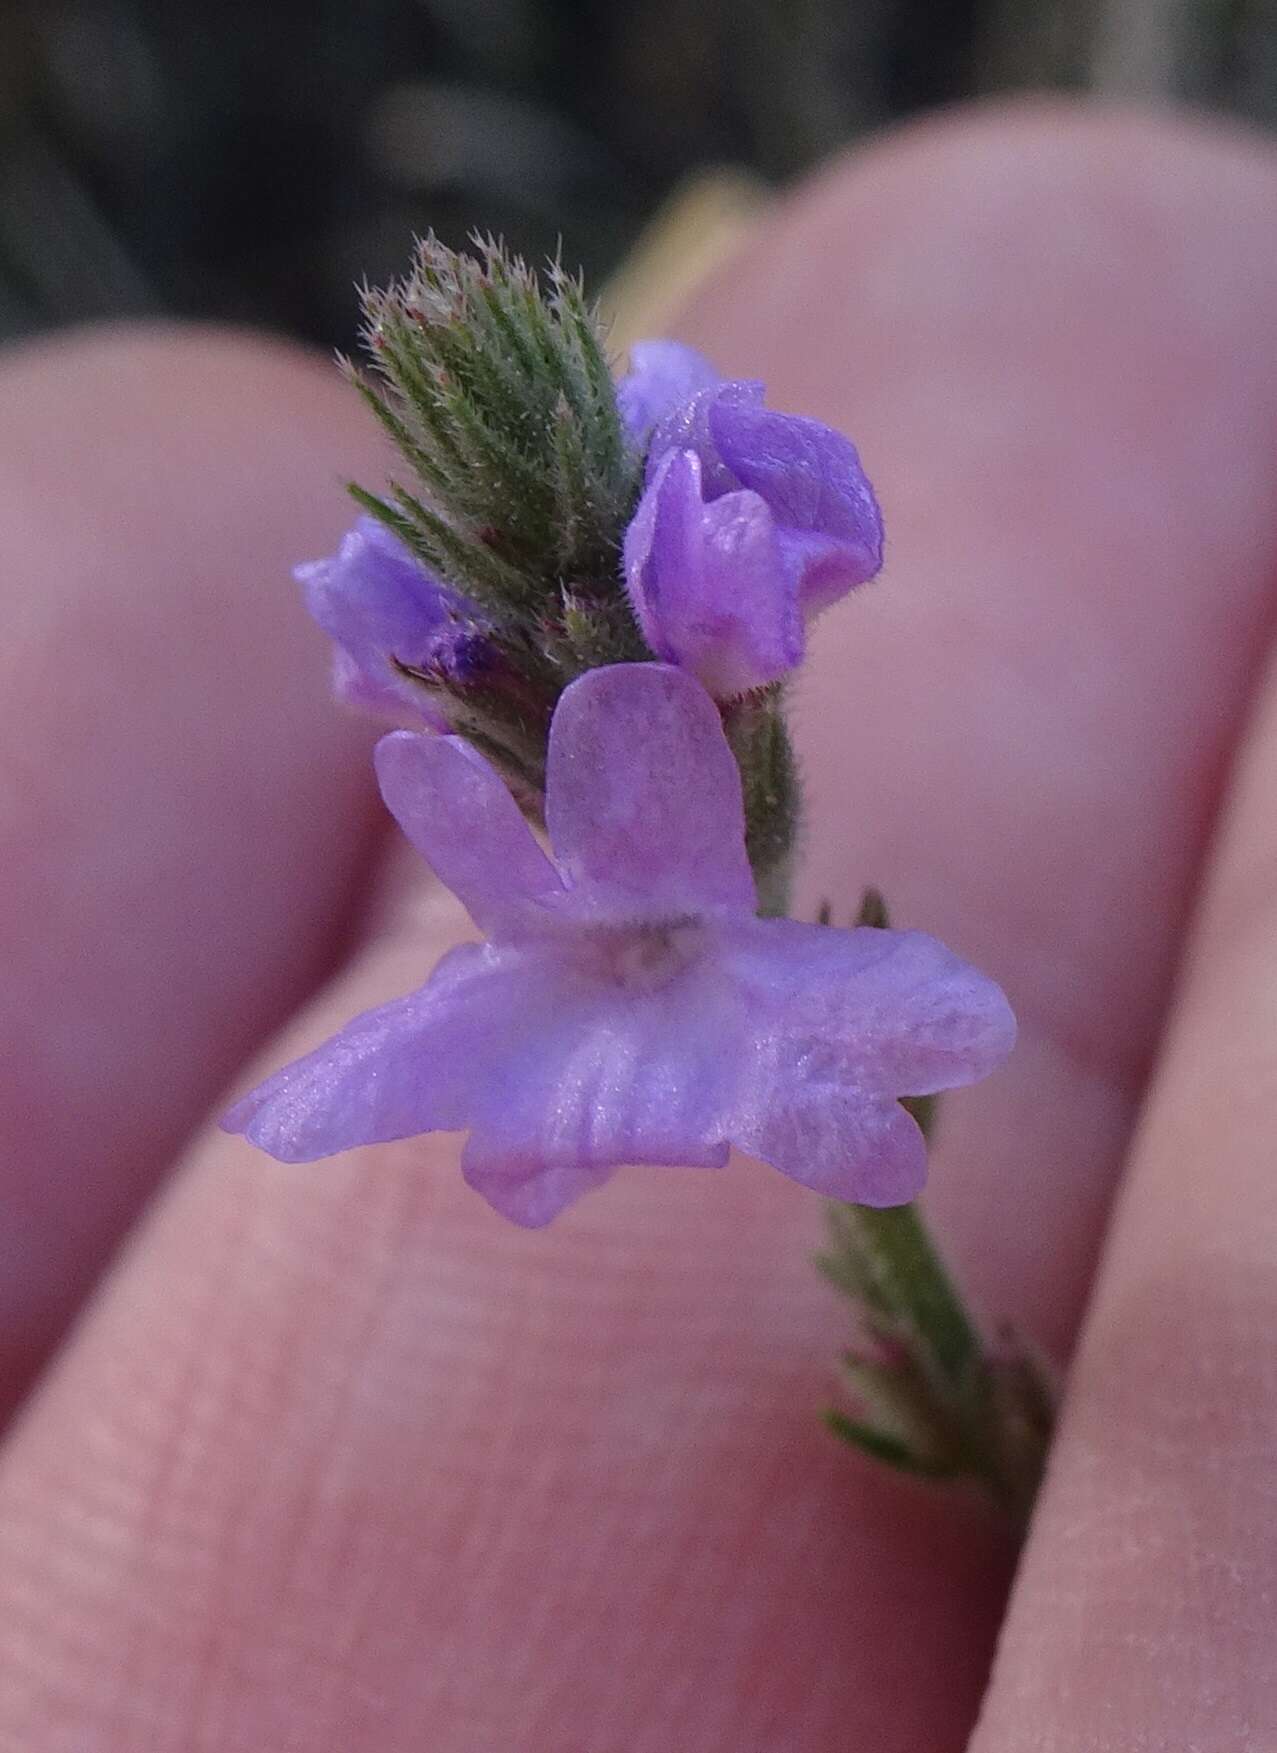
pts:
[755, 729]
[918, 1290]
[942, 1398]
[937, 1399]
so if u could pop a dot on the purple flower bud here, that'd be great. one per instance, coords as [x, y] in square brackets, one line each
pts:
[378, 604]
[806, 478]
[628, 1006]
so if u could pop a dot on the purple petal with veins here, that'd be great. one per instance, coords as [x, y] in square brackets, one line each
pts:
[629, 1006]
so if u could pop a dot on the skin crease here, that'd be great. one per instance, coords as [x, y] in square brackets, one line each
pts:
[335, 1459]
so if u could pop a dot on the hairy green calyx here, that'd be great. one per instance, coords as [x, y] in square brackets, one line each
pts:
[497, 391]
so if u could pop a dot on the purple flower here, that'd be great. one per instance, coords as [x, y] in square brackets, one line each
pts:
[787, 521]
[628, 1006]
[377, 603]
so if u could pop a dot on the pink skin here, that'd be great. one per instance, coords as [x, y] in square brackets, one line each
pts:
[337, 1460]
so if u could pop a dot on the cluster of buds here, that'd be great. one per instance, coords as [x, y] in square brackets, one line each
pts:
[580, 611]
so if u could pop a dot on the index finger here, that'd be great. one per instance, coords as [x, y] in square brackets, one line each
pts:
[183, 817]
[1144, 1612]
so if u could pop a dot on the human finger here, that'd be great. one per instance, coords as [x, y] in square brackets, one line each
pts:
[183, 817]
[1144, 1613]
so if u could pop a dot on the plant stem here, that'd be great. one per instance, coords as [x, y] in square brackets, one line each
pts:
[972, 1412]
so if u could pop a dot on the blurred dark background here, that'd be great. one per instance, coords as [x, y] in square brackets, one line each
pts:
[228, 159]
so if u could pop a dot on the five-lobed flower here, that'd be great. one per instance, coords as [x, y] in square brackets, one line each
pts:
[751, 521]
[386, 613]
[628, 1006]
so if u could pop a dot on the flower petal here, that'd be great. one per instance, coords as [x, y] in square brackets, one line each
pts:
[662, 375]
[711, 587]
[563, 1073]
[688, 426]
[375, 688]
[894, 1011]
[408, 1067]
[456, 810]
[846, 1022]
[845, 1144]
[605, 1073]
[643, 797]
[662, 546]
[533, 1193]
[375, 601]
[811, 478]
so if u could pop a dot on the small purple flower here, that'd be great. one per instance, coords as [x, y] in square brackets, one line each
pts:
[788, 523]
[628, 1006]
[377, 603]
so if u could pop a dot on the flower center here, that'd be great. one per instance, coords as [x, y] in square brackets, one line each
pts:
[648, 954]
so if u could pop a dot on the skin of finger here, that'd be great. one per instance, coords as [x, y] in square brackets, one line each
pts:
[1061, 388]
[1144, 1616]
[337, 1460]
[183, 817]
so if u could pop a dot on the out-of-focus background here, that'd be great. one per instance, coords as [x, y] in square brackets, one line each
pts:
[250, 159]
